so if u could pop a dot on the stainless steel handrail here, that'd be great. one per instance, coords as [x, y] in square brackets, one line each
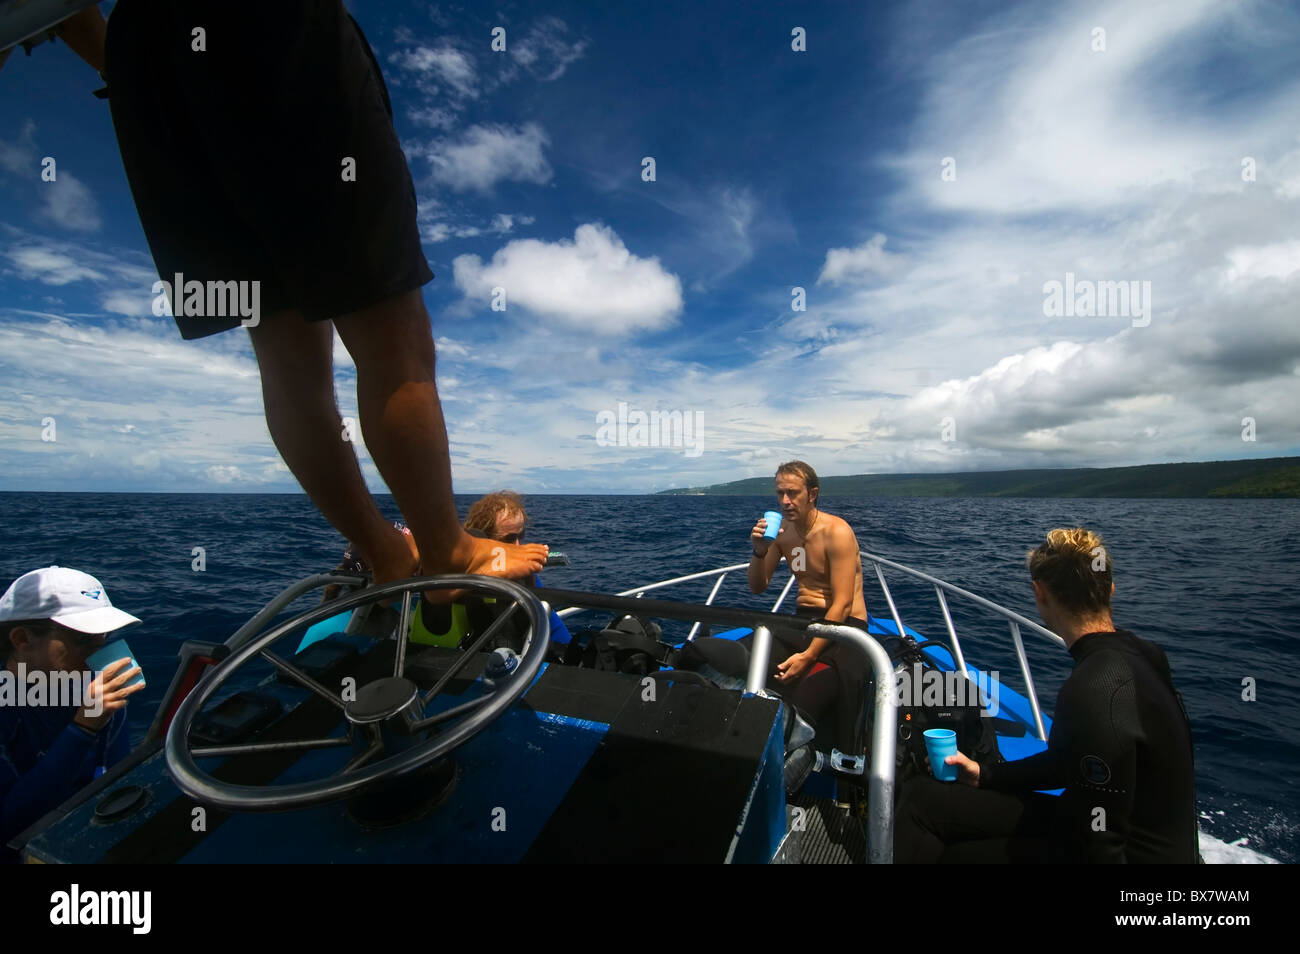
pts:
[884, 738]
[884, 734]
[781, 599]
[987, 604]
[717, 585]
[1014, 620]
[638, 590]
[719, 572]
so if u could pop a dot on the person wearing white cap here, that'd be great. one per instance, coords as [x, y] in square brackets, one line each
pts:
[51, 620]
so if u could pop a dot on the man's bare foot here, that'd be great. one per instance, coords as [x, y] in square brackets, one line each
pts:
[486, 557]
[400, 560]
[490, 558]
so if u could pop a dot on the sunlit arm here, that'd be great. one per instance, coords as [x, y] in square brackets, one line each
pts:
[761, 568]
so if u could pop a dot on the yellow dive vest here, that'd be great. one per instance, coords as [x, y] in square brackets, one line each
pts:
[452, 637]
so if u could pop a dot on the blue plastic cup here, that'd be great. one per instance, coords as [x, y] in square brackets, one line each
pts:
[773, 518]
[110, 653]
[939, 744]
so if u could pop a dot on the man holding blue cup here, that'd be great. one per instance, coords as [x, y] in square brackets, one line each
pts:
[823, 679]
[60, 727]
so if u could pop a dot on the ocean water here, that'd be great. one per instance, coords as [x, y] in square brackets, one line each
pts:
[1215, 583]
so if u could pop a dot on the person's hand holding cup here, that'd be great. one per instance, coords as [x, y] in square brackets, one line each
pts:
[968, 770]
[118, 675]
[764, 532]
[946, 763]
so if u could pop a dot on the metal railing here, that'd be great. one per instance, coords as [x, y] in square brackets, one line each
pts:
[1014, 620]
[880, 783]
[721, 574]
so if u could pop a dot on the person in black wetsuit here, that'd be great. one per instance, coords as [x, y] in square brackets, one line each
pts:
[1120, 746]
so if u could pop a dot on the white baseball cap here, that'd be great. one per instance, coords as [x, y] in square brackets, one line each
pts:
[65, 596]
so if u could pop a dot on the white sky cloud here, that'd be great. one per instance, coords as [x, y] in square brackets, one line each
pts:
[434, 117]
[592, 283]
[19, 158]
[869, 258]
[433, 230]
[49, 267]
[445, 63]
[545, 49]
[66, 200]
[1036, 119]
[125, 303]
[71, 204]
[449, 77]
[1280, 260]
[488, 154]
[1141, 186]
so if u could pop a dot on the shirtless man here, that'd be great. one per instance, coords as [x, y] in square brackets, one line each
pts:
[822, 552]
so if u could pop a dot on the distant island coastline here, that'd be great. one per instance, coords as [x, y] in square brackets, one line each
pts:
[1269, 477]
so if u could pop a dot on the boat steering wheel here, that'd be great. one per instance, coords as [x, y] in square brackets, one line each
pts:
[386, 718]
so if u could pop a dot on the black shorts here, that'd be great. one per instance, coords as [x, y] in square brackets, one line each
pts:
[235, 154]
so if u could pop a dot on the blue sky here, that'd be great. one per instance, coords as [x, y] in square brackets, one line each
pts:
[924, 345]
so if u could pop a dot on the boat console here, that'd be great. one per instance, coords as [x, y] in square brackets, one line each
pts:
[376, 751]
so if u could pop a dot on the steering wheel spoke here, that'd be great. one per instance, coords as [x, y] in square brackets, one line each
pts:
[448, 715]
[403, 627]
[376, 748]
[215, 751]
[302, 678]
[470, 650]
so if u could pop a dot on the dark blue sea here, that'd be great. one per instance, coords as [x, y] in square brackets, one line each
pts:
[1214, 582]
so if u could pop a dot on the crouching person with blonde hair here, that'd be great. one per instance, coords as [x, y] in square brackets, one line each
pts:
[1120, 747]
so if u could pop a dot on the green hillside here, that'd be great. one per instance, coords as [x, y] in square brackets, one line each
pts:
[1270, 477]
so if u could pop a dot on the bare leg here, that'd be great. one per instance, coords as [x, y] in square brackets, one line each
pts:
[85, 32]
[296, 358]
[401, 418]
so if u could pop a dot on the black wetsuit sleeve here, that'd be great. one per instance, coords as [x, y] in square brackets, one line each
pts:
[1042, 772]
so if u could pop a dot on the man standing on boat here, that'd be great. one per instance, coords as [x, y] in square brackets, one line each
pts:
[1120, 746]
[822, 552]
[281, 176]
